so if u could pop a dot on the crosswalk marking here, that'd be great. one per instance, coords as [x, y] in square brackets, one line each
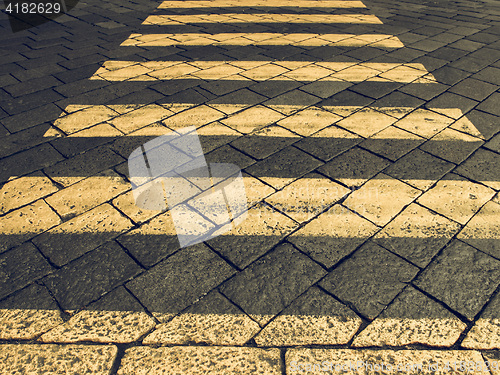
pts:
[222, 70]
[247, 39]
[165, 20]
[261, 3]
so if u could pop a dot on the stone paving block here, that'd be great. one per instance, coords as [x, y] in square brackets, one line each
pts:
[77, 168]
[28, 313]
[88, 193]
[370, 279]
[25, 190]
[482, 166]
[354, 167]
[474, 89]
[25, 223]
[313, 318]
[333, 235]
[84, 118]
[485, 334]
[307, 197]
[21, 266]
[282, 168]
[271, 283]
[236, 101]
[86, 139]
[381, 199]
[452, 145]
[179, 280]
[215, 135]
[412, 318]
[488, 74]
[197, 116]
[366, 122]
[228, 154]
[28, 161]
[125, 203]
[390, 362]
[261, 144]
[252, 118]
[462, 277]
[392, 142]
[92, 275]
[450, 100]
[482, 230]
[152, 241]
[84, 232]
[117, 317]
[329, 142]
[213, 320]
[424, 122]
[309, 121]
[419, 169]
[417, 234]
[263, 228]
[31, 118]
[479, 124]
[494, 144]
[139, 118]
[56, 359]
[291, 101]
[200, 360]
[125, 145]
[456, 198]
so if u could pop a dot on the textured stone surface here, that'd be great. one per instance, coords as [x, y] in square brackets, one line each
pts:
[88, 193]
[17, 359]
[28, 313]
[419, 169]
[492, 361]
[307, 197]
[178, 281]
[401, 361]
[25, 223]
[313, 318]
[333, 235]
[417, 234]
[263, 228]
[82, 234]
[152, 241]
[483, 167]
[370, 279]
[20, 266]
[309, 121]
[200, 360]
[25, 190]
[90, 276]
[213, 320]
[412, 318]
[354, 167]
[116, 317]
[456, 198]
[381, 199]
[482, 231]
[268, 285]
[392, 142]
[485, 334]
[424, 122]
[281, 168]
[462, 277]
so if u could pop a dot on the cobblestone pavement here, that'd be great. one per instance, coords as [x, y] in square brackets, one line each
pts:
[368, 135]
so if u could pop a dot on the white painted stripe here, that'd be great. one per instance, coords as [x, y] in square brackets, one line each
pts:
[245, 39]
[221, 70]
[261, 3]
[261, 18]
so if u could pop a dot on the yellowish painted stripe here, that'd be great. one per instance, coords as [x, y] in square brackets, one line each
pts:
[261, 18]
[261, 3]
[221, 70]
[245, 39]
